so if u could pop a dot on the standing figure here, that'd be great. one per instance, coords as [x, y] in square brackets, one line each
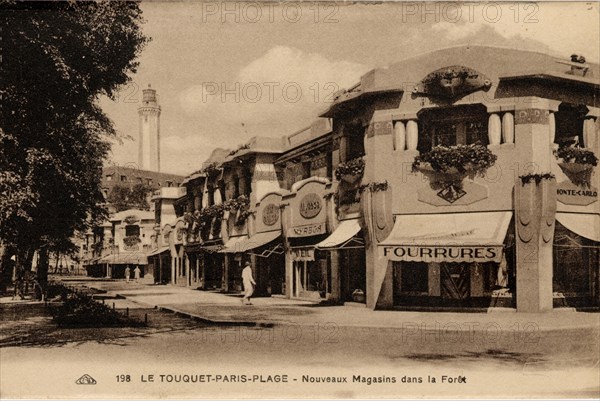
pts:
[127, 274]
[136, 273]
[249, 283]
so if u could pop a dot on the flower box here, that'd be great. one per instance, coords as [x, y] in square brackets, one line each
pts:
[351, 178]
[579, 174]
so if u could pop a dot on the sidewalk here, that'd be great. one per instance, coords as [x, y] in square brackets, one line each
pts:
[227, 309]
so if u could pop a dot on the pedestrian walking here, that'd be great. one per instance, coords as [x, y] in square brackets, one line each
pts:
[127, 274]
[248, 282]
[136, 273]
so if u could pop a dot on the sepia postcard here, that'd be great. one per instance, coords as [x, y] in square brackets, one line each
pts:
[299, 200]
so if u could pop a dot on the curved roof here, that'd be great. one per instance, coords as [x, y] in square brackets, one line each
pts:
[495, 62]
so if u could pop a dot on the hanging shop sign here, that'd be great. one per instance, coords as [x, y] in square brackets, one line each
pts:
[571, 194]
[310, 206]
[302, 254]
[307, 230]
[270, 214]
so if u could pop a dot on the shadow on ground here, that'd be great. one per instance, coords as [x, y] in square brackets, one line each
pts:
[31, 325]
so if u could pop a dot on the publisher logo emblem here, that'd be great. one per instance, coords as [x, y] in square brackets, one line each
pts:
[86, 379]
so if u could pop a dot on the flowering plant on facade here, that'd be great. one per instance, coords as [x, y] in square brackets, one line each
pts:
[241, 205]
[374, 186]
[354, 167]
[577, 164]
[131, 240]
[537, 178]
[212, 170]
[576, 155]
[211, 212]
[241, 202]
[449, 165]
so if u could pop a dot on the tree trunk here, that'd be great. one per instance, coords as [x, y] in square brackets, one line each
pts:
[42, 272]
[6, 268]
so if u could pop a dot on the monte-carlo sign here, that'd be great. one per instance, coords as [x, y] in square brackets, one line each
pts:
[571, 194]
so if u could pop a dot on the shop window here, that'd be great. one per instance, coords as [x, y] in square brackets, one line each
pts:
[575, 264]
[569, 124]
[413, 278]
[460, 125]
[132, 230]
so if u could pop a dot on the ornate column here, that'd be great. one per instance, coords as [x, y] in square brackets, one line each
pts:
[494, 129]
[399, 136]
[381, 163]
[552, 127]
[412, 135]
[535, 204]
[508, 127]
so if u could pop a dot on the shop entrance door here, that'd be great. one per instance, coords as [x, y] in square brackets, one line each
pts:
[455, 281]
[310, 279]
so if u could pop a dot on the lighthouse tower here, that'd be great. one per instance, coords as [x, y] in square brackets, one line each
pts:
[149, 140]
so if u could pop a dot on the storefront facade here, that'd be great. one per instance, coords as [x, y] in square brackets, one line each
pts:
[447, 238]
[306, 222]
[265, 247]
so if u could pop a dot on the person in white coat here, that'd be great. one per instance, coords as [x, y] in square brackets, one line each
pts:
[248, 282]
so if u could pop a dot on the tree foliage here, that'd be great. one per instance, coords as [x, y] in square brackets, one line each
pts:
[123, 198]
[58, 59]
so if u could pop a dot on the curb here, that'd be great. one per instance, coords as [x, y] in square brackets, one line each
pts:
[271, 324]
[215, 322]
[199, 318]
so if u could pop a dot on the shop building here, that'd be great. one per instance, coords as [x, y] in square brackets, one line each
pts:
[523, 232]
[160, 258]
[127, 238]
[248, 175]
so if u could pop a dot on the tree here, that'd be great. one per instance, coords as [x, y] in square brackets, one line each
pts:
[123, 198]
[58, 58]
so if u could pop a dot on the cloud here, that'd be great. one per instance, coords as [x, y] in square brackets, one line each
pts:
[554, 27]
[273, 95]
[284, 83]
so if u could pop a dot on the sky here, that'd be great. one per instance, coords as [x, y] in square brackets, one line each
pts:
[225, 72]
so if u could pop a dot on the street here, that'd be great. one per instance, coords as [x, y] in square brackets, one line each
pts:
[300, 359]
